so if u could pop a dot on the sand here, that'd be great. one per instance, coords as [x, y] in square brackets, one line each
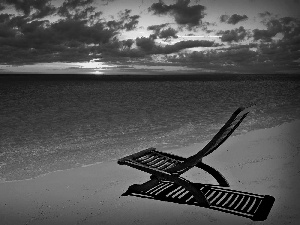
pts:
[262, 161]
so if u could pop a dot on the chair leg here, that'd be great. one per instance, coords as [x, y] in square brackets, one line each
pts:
[215, 173]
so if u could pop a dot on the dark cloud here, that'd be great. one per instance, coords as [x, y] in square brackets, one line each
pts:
[73, 4]
[146, 44]
[224, 18]
[132, 23]
[181, 11]
[4, 17]
[65, 30]
[264, 14]
[288, 26]
[149, 46]
[219, 59]
[168, 33]
[114, 24]
[236, 35]
[76, 9]
[127, 43]
[107, 1]
[42, 7]
[160, 8]
[160, 32]
[264, 35]
[156, 29]
[2, 7]
[266, 55]
[234, 19]
[6, 32]
[78, 33]
[270, 55]
[186, 44]
[125, 21]
[236, 56]
[282, 52]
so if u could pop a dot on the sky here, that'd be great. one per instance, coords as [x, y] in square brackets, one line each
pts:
[149, 36]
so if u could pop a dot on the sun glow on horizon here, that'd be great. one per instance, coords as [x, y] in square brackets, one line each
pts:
[94, 64]
[97, 72]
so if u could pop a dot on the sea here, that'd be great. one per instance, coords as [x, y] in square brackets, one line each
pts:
[58, 122]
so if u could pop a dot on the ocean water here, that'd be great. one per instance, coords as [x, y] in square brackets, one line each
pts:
[54, 124]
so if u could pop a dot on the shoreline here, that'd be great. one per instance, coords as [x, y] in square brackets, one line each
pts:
[167, 149]
[261, 161]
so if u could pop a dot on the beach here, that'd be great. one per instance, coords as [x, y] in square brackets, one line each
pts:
[264, 161]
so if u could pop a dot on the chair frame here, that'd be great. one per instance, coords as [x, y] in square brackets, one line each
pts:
[143, 161]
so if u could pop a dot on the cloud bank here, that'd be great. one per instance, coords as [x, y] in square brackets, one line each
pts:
[81, 33]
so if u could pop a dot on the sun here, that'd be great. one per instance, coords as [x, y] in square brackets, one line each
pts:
[97, 72]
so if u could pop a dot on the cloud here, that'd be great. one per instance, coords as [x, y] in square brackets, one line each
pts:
[234, 19]
[132, 23]
[168, 33]
[73, 4]
[79, 32]
[181, 11]
[107, 1]
[264, 14]
[4, 17]
[127, 43]
[288, 26]
[149, 46]
[159, 32]
[205, 25]
[125, 21]
[264, 35]
[156, 29]
[146, 44]
[224, 18]
[186, 44]
[2, 7]
[42, 7]
[218, 59]
[282, 52]
[265, 56]
[235, 35]
[76, 9]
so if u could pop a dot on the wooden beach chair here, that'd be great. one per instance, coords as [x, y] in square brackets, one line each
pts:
[166, 184]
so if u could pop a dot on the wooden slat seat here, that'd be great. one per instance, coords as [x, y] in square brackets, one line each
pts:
[152, 158]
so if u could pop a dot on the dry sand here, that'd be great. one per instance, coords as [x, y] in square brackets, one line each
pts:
[263, 162]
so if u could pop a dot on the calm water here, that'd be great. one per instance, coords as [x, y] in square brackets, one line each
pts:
[52, 124]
